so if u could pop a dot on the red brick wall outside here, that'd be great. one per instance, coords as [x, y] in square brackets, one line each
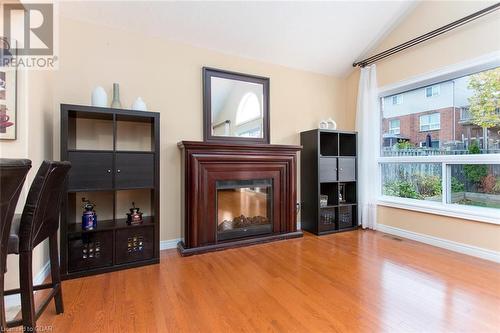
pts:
[410, 127]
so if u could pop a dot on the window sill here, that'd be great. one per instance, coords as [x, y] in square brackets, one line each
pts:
[430, 130]
[477, 214]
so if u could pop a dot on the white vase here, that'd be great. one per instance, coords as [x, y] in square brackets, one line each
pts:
[331, 124]
[99, 97]
[139, 105]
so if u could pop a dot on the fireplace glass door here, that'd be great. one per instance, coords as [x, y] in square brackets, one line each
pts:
[244, 208]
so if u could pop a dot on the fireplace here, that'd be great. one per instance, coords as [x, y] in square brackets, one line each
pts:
[236, 195]
[244, 208]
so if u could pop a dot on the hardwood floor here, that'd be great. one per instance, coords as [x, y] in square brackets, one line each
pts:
[360, 281]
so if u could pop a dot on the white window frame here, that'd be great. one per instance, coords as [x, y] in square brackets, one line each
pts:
[432, 126]
[479, 214]
[392, 130]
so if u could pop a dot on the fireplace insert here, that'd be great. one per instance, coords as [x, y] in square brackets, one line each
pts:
[244, 208]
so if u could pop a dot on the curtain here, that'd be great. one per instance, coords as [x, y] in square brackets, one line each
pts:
[368, 127]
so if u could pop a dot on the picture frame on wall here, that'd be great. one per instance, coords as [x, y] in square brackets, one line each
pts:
[8, 91]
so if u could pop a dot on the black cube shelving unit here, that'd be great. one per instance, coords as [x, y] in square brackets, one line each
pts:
[328, 171]
[115, 156]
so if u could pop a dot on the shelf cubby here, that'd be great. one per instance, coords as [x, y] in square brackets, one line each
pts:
[348, 193]
[90, 131]
[142, 198]
[347, 144]
[134, 133]
[330, 190]
[329, 144]
[104, 208]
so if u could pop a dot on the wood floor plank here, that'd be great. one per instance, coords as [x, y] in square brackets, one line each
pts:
[360, 281]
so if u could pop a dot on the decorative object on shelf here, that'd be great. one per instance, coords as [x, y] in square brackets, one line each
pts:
[8, 98]
[323, 124]
[89, 217]
[342, 193]
[99, 97]
[323, 200]
[135, 216]
[331, 124]
[116, 97]
[139, 105]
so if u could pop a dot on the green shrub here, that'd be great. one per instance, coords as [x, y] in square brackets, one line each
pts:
[475, 172]
[456, 185]
[428, 186]
[404, 145]
[402, 189]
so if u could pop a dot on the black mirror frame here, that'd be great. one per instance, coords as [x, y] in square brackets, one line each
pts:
[208, 73]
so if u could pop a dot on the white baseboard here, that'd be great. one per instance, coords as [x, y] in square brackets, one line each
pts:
[169, 244]
[443, 243]
[14, 301]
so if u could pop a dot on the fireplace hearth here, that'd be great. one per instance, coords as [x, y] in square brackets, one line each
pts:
[236, 195]
[244, 208]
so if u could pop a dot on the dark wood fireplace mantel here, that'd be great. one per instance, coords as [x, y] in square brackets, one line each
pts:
[204, 164]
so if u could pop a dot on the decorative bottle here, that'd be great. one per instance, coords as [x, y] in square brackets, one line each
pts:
[116, 97]
[89, 217]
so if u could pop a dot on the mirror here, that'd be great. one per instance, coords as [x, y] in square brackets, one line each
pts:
[236, 107]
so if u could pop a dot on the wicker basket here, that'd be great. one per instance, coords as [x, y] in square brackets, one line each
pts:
[345, 217]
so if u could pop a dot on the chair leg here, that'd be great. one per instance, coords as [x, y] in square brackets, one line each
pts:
[26, 286]
[55, 273]
[3, 323]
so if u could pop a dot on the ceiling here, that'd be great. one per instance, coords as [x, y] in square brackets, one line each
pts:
[321, 37]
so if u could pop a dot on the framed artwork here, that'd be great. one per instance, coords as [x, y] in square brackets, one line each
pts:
[8, 96]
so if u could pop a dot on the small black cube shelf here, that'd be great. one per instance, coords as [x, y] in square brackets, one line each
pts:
[115, 159]
[328, 181]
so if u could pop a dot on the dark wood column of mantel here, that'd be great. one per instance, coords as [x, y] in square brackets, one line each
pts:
[203, 163]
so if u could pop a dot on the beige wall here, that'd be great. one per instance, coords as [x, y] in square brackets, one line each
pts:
[467, 42]
[167, 75]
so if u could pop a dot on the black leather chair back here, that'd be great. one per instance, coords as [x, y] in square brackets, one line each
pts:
[40, 217]
[12, 176]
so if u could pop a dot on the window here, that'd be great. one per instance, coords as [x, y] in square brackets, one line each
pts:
[394, 126]
[252, 133]
[397, 99]
[430, 122]
[421, 181]
[460, 170]
[432, 91]
[475, 185]
[248, 109]
[434, 144]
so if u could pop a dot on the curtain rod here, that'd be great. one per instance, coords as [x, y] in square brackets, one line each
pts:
[427, 36]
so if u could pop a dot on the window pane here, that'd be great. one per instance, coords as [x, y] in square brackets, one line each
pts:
[475, 185]
[412, 180]
[463, 115]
